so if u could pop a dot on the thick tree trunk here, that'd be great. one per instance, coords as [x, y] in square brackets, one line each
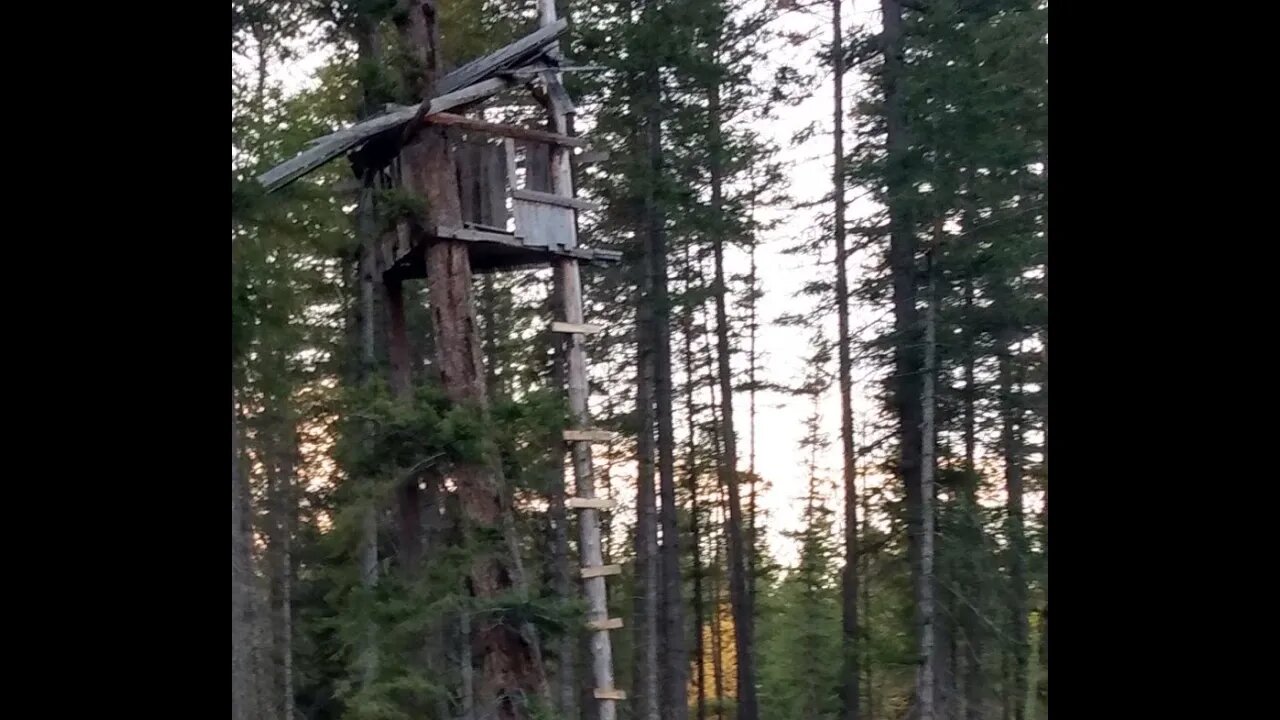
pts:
[511, 671]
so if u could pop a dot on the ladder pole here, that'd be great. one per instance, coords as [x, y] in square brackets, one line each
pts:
[589, 546]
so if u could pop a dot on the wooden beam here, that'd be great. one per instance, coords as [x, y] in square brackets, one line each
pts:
[584, 328]
[504, 130]
[507, 58]
[580, 503]
[322, 150]
[553, 199]
[601, 625]
[612, 694]
[591, 157]
[588, 435]
[471, 234]
[601, 571]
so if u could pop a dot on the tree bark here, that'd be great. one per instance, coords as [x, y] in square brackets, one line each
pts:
[511, 671]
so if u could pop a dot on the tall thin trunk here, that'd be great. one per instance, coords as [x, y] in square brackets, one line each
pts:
[719, 563]
[717, 604]
[1011, 435]
[849, 582]
[691, 470]
[907, 386]
[674, 665]
[567, 644]
[864, 564]
[753, 538]
[242, 695]
[279, 472]
[408, 495]
[926, 612]
[972, 539]
[369, 51]
[1044, 410]
[739, 597]
[646, 574]
[366, 231]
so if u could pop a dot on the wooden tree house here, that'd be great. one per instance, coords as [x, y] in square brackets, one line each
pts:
[518, 211]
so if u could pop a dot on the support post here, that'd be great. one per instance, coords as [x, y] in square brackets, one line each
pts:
[589, 547]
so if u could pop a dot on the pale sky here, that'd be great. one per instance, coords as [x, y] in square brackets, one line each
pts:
[779, 458]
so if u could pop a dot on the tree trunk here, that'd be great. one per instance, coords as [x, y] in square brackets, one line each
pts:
[926, 612]
[753, 537]
[511, 671]
[718, 561]
[561, 581]
[646, 574]
[907, 385]
[408, 495]
[1011, 434]
[675, 657]
[864, 562]
[1044, 409]
[281, 508]
[369, 51]
[739, 597]
[849, 581]
[366, 232]
[691, 470]
[243, 704]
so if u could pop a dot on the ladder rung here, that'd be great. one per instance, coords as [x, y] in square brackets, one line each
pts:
[611, 694]
[568, 327]
[588, 435]
[601, 571]
[609, 624]
[581, 503]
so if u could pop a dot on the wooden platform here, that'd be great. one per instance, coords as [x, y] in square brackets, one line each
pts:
[490, 251]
